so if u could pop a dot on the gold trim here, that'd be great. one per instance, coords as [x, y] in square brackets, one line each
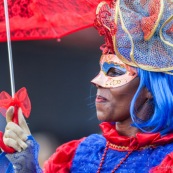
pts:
[100, 6]
[133, 63]
[128, 33]
[114, 38]
[98, 10]
[118, 147]
[160, 32]
[170, 73]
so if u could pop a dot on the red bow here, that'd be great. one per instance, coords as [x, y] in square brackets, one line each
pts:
[20, 100]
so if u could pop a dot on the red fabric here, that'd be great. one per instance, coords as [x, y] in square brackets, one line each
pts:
[61, 160]
[105, 24]
[44, 19]
[141, 139]
[166, 165]
[3, 146]
[20, 100]
[149, 23]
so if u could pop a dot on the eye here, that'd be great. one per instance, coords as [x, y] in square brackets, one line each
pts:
[114, 72]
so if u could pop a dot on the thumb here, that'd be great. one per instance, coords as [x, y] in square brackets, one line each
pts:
[22, 122]
[9, 114]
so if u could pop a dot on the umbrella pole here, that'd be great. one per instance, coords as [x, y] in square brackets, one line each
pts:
[9, 48]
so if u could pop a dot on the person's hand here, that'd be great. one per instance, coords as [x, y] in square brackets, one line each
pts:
[15, 135]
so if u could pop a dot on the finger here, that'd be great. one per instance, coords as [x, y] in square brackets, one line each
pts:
[12, 143]
[10, 134]
[9, 114]
[22, 122]
[17, 130]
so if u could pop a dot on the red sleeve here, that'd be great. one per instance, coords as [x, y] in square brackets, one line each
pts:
[166, 166]
[61, 160]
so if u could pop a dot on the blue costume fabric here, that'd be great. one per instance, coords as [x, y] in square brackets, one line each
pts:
[90, 151]
[84, 156]
[5, 164]
[147, 151]
[21, 162]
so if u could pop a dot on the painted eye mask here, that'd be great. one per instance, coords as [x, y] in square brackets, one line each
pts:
[113, 70]
[113, 73]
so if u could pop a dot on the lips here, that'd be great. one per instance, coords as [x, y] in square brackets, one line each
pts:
[100, 99]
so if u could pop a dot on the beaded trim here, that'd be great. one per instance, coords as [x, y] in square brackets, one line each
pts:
[104, 155]
[124, 148]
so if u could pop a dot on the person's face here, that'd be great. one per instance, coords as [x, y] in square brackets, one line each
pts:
[113, 98]
[113, 104]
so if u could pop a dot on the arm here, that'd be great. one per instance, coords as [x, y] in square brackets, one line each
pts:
[26, 157]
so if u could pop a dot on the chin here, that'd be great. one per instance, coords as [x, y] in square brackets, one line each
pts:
[100, 116]
[103, 117]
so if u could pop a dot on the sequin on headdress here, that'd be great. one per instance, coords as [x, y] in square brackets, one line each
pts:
[139, 32]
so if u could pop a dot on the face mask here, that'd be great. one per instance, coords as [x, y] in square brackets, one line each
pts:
[113, 72]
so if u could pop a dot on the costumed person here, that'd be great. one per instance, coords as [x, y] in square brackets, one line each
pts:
[134, 99]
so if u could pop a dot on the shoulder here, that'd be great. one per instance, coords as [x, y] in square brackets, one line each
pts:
[94, 140]
[88, 154]
[61, 160]
[166, 164]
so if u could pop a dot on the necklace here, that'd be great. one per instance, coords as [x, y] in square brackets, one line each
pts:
[103, 158]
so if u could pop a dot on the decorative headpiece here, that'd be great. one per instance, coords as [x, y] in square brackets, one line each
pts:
[139, 32]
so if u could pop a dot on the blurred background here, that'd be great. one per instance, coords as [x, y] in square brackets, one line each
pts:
[57, 75]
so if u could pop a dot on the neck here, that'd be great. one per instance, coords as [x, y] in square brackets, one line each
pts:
[125, 129]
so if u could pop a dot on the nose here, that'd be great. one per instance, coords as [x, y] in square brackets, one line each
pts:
[97, 80]
[96, 83]
[98, 86]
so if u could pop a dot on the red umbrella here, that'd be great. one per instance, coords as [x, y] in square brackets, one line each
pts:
[45, 19]
[38, 19]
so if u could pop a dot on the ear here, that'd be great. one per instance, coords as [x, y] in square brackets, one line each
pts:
[144, 107]
[147, 94]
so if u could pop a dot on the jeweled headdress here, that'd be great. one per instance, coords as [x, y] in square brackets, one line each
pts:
[139, 32]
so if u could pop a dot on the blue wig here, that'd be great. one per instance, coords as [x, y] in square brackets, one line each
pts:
[160, 85]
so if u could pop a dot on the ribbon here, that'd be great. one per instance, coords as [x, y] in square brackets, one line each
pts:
[20, 100]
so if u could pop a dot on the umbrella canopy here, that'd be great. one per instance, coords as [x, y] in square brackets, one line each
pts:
[45, 19]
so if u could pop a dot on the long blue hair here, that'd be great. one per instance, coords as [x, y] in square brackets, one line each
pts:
[160, 85]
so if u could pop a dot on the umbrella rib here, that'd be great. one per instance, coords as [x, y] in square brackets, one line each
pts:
[9, 48]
